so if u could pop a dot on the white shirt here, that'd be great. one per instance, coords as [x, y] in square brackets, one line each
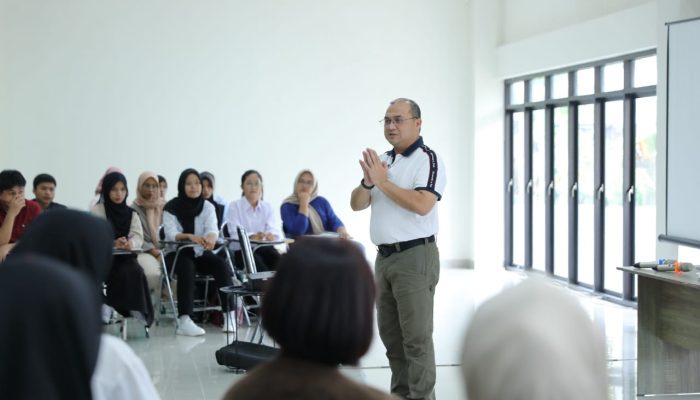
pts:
[418, 168]
[120, 373]
[135, 230]
[204, 224]
[261, 218]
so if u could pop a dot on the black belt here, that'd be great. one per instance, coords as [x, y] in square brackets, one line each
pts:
[388, 249]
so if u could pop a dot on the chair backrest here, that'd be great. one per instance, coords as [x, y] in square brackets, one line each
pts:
[246, 250]
[223, 231]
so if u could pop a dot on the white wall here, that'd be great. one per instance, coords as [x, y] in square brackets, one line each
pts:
[229, 85]
[526, 18]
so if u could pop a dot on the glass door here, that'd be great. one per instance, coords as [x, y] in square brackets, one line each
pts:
[539, 191]
[518, 189]
[586, 194]
[614, 195]
[561, 192]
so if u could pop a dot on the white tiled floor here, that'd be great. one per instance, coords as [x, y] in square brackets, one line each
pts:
[185, 368]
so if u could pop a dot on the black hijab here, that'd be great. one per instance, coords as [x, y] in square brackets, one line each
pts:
[73, 237]
[183, 207]
[52, 332]
[118, 214]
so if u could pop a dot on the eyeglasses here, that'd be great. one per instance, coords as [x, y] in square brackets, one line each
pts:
[386, 121]
[148, 186]
[305, 182]
[252, 184]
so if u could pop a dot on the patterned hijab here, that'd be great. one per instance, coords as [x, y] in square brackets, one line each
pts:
[314, 217]
[153, 207]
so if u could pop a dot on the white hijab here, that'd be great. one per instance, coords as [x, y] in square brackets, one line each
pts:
[534, 342]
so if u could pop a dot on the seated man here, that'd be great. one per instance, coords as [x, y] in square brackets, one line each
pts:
[15, 212]
[44, 192]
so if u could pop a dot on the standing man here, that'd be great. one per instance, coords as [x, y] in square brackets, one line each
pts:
[403, 186]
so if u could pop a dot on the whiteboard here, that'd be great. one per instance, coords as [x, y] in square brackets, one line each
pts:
[683, 131]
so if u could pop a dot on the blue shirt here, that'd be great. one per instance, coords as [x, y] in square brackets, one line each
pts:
[296, 224]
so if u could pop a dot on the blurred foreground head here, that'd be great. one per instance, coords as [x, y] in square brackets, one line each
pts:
[320, 305]
[534, 342]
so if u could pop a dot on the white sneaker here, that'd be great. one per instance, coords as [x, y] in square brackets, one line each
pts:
[188, 328]
[229, 322]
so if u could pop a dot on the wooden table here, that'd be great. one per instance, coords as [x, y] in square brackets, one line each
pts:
[668, 332]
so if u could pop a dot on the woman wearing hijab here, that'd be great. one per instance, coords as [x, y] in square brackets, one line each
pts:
[188, 217]
[305, 212]
[51, 338]
[258, 219]
[318, 332]
[127, 288]
[84, 243]
[534, 342]
[209, 195]
[98, 188]
[149, 207]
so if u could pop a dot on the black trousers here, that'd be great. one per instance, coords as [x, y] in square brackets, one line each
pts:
[266, 258]
[206, 264]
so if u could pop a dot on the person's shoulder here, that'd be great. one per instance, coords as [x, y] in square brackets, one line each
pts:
[208, 207]
[33, 208]
[57, 206]
[254, 384]
[321, 199]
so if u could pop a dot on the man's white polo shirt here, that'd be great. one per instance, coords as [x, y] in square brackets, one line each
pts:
[417, 168]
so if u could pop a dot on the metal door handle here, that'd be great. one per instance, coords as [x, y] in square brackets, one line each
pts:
[529, 187]
[550, 188]
[630, 193]
[510, 185]
[601, 190]
[574, 188]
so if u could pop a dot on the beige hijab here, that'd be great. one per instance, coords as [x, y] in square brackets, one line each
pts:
[153, 207]
[314, 217]
[534, 342]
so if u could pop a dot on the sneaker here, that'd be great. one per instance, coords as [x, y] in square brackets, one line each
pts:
[229, 322]
[188, 328]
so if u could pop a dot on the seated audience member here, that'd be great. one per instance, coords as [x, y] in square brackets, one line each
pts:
[51, 338]
[149, 207]
[305, 212]
[84, 243]
[163, 186]
[127, 287]
[44, 192]
[209, 195]
[188, 217]
[98, 188]
[16, 213]
[534, 342]
[320, 309]
[257, 217]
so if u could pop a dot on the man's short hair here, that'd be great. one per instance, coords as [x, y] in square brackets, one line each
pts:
[415, 110]
[320, 304]
[44, 178]
[10, 178]
[161, 179]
